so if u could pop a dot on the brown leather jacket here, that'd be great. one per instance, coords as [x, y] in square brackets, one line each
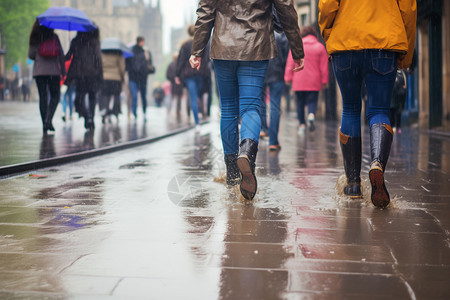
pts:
[243, 30]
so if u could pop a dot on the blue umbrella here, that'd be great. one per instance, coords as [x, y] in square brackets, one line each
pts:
[116, 44]
[66, 18]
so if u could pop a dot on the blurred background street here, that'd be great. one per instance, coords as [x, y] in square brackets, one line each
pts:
[111, 189]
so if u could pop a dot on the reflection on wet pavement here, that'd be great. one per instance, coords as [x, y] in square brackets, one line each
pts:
[23, 142]
[151, 222]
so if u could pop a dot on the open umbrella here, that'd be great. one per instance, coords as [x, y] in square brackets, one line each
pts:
[115, 44]
[66, 18]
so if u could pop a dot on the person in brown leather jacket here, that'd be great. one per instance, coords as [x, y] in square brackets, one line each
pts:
[241, 46]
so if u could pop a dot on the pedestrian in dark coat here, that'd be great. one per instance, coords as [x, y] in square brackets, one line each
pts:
[139, 66]
[398, 101]
[192, 78]
[48, 55]
[176, 89]
[87, 72]
[274, 80]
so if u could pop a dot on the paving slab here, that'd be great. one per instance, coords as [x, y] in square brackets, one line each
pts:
[157, 222]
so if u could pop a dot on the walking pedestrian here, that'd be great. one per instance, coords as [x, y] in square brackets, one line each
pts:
[274, 80]
[367, 40]
[69, 95]
[158, 94]
[25, 88]
[139, 66]
[176, 91]
[311, 80]
[398, 101]
[87, 72]
[113, 76]
[193, 79]
[242, 44]
[46, 51]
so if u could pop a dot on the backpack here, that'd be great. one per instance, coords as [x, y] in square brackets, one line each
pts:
[141, 63]
[49, 48]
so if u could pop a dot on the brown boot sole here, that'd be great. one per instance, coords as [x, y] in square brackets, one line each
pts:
[248, 182]
[380, 195]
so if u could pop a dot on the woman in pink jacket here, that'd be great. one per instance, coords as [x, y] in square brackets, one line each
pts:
[311, 80]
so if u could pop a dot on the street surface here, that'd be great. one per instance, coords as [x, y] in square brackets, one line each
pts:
[158, 222]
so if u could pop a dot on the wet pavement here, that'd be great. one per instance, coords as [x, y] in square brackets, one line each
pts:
[22, 140]
[157, 222]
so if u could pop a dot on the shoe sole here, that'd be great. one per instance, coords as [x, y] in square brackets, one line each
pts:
[248, 181]
[380, 195]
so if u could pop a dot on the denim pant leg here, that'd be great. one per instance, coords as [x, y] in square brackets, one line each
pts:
[276, 91]
[250, 76]
[194, 86]
[311, 101]
[134, 93]
[301, 100]
[263, 110]
[380, 73]
[142, 85]
[71, 96]
[227, 84]
[347, 67]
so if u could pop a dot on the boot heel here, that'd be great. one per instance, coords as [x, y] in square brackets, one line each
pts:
[380, 195]
[248, 182]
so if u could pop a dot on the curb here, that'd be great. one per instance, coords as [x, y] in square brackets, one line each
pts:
[8, 171]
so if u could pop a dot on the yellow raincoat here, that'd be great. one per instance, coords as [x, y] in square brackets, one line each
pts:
[369, 24]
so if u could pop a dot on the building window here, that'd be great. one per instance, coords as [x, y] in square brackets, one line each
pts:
[304, 19]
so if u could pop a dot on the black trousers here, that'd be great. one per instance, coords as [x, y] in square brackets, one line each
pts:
[111, 88]
[49, 93]
[89, 86]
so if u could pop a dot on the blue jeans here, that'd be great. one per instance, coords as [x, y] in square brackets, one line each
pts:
[68, 99]
[263, 111]
[378, 69]
[135, 87]
[275, 92]
[308, 98]
[240, 85]
[194, 86]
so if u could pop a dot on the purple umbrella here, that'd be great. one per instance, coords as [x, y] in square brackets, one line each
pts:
[66, 18]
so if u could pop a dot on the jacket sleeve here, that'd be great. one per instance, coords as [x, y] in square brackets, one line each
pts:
[288, 73]
[323, 65]
[61, 58]
[32, 51]
[327, 12]
[206, 16]
[289, 19]
[408, 10]
[182, 59]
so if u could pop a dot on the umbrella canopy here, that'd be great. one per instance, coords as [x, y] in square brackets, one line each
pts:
[116, 44]
[66, 18]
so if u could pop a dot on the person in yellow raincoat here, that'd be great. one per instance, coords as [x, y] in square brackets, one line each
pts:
[367, 41]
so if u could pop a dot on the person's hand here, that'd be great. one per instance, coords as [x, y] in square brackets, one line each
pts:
[177, 80]
[195, 62]
[324, 86]
[299, 64]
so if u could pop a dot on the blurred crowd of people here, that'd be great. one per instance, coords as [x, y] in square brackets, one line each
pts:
[87, 75]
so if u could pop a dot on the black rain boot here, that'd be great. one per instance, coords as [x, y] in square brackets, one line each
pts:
[246, 163]
[233, 175]
[351, 153]
[380, 145]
